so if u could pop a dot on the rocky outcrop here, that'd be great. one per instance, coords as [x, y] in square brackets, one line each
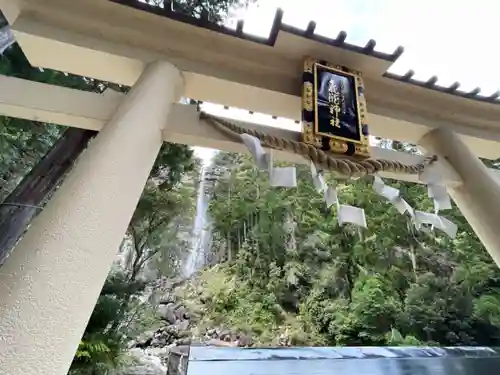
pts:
[221, 336]
[179, 328]
[147, 362]
[158, 361]
[167, 312]
[178, 361]
[181, 308]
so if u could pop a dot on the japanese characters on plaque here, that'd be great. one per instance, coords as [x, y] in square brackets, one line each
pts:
[334, 109]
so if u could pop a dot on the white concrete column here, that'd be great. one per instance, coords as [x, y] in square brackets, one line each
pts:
[478, 197]
[50, 283]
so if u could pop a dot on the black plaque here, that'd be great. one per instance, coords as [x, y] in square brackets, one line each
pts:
[334, 109]
[336, 104]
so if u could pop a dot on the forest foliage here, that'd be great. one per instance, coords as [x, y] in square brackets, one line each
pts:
[292, 270]
[295, 268]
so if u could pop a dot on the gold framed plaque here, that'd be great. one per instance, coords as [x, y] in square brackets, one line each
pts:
[334, 114]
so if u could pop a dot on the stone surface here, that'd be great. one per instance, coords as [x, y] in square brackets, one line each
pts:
[244, 340]
[167, 312]
[182, 325]
[181, 310]
[145, 364]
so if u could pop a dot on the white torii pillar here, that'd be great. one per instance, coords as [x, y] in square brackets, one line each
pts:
[478, 195]
[51, 281]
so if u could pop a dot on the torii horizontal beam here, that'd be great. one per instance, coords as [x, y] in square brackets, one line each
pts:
[86, 110]
[94, 38]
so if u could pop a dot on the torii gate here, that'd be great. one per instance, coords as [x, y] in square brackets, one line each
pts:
[49, 285]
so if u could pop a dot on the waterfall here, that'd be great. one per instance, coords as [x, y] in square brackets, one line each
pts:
[202, 234]
[6, 38]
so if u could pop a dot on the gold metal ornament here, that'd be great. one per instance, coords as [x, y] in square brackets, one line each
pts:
[334, 115]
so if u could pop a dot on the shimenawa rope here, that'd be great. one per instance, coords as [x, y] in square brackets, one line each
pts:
[322, 159]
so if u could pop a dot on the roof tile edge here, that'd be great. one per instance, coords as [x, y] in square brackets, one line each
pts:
[277, 26]
[452, 89]
[339, 41]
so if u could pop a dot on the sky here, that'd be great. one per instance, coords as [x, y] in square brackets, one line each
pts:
[454, 40]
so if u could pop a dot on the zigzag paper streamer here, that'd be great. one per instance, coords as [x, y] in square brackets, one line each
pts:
[420, 219]
[259, 155]
[351, 214]
[318, 179]
[392, 195]
[330, 195]
[440, 196]
[278, 177]
[345, 213]
[436, 221]
[436, 190]
[281, 176]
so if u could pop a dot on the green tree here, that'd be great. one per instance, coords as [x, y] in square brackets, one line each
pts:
[102, 347]
[23, 143]
[388, 284]
[165, 209]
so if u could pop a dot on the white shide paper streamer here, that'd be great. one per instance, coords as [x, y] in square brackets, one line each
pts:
[281, 176]
[351, 214]
[392, 195]
[287, 177]
[420, 219]
[256, 150]
[435, 221]
[440, 196]
[345, 213]
[436, 189]
[318, 180]
[278, 177]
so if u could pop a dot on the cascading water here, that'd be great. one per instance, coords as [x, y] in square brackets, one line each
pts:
[202, 234]
[6, 37]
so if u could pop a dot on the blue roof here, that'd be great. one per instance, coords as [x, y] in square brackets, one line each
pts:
[344, 361]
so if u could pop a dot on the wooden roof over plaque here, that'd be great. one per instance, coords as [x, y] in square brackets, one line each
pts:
[113, 40]
[385, 59]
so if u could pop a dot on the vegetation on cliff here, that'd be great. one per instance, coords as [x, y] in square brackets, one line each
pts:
[296, 272]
